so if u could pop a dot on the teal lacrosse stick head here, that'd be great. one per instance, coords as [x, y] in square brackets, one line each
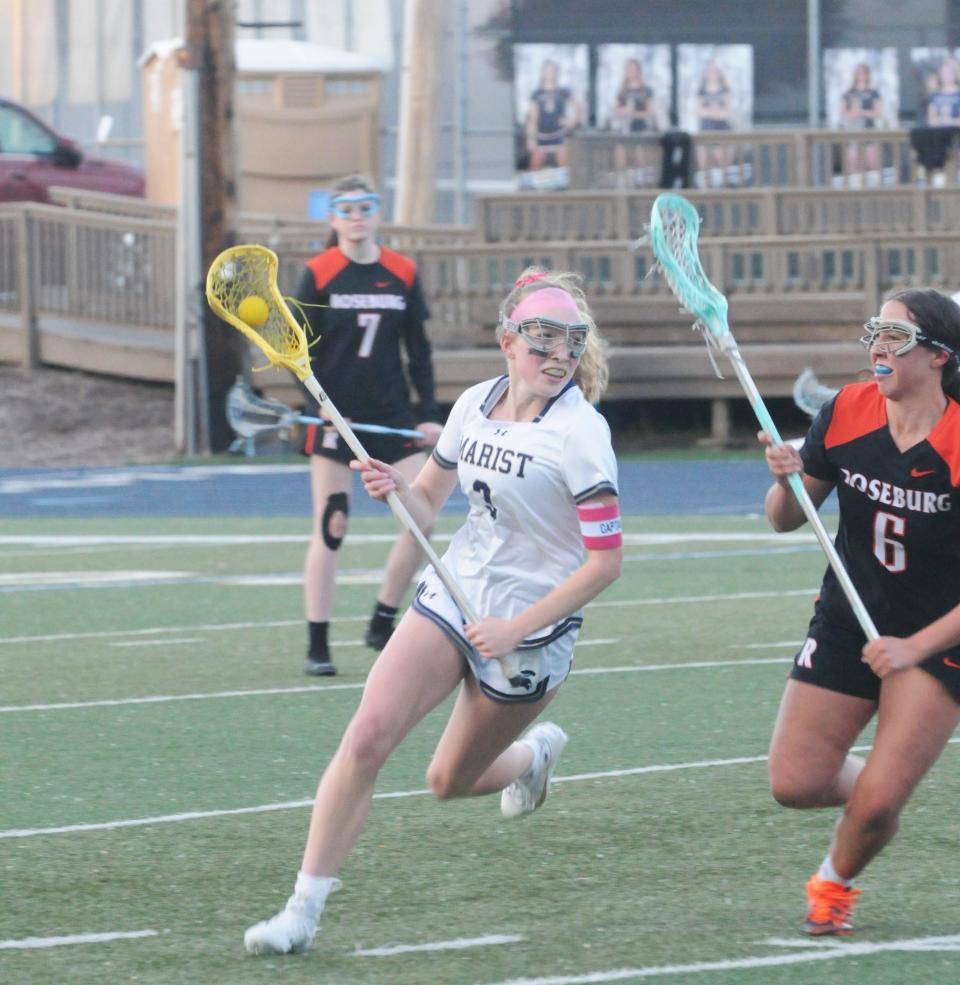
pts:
[674, 228]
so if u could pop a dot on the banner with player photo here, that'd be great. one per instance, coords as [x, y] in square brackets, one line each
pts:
[634, 88]
[861, 88]
[714, 87]
[936, 74]
[551, 87]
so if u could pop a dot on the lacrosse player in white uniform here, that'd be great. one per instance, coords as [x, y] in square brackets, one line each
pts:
[541, 540]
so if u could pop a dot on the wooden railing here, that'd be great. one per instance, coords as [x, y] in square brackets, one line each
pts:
[599, 215]
[788, 158]
[94, 291]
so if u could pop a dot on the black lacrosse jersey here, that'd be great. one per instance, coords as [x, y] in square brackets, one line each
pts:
[370, 309]
[551, 110]
[636, 99]
[899, 531]
[864, 100]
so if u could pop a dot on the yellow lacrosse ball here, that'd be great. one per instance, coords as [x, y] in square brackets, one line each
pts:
[253, 310]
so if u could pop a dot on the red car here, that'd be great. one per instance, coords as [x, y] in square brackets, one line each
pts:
[33, 158]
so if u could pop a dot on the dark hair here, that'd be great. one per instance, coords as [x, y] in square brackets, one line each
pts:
[938, 316]
[352, 183]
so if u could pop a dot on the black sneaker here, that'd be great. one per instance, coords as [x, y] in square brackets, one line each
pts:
[319, 666]
[376, 638]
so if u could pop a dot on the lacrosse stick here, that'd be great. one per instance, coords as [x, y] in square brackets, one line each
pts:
[250, 415]
[243, 280]
[809, 394]
[674, 227]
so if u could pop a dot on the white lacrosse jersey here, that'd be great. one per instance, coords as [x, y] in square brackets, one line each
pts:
[523, 480]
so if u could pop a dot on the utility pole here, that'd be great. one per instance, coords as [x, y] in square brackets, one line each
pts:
[210, 51]
[420, 89]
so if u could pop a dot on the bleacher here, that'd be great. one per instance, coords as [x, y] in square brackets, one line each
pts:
[803, 249]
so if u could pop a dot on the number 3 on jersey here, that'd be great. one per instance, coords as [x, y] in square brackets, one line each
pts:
[889, 552]
[369, 322]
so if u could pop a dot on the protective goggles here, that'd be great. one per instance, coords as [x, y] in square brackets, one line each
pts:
[544, 335]
[893, 337]
[363, 205]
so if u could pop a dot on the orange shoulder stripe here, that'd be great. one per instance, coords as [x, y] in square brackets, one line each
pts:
[859, 409]
[325, 266]
[398, 265]
[945, 440]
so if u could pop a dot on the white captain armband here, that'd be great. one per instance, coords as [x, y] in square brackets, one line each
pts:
[600, 526]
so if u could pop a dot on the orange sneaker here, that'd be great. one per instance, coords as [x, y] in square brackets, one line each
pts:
[829, 907]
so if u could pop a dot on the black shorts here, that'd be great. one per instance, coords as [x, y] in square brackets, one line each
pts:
[831, 657]
[387, 448]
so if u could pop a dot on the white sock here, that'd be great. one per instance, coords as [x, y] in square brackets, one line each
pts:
[828, 872]
[314, 890]
[534, 747]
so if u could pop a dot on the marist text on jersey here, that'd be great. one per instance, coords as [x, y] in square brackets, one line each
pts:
[493, 457]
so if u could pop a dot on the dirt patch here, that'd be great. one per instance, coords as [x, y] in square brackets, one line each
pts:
[60, 417]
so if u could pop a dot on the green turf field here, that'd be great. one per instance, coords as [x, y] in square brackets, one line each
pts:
[160, 747]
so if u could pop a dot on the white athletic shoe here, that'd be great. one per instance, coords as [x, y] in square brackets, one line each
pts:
[291, 930]
[529, 791]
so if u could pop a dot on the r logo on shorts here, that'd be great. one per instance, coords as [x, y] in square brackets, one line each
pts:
[805, 656]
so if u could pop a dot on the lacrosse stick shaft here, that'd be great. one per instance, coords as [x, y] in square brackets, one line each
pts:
[799, 490]
[364, 428]
[509, 663]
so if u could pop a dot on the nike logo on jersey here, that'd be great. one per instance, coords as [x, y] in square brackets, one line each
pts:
[917, 473]
[381, 283]
[499, 431]
[950, 663]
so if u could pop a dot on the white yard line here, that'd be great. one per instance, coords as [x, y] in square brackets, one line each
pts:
[630, 539]
[159, 699]
[778, 645]
[71, 579]
[154, 699]
[460, 944]
[273, 624]
[688, 665]
[695, 599]
[163, 642]
[32, 943]
[844, 950]
[216, 627]
[142, 822]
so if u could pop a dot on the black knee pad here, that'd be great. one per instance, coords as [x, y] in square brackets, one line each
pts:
[337, 503]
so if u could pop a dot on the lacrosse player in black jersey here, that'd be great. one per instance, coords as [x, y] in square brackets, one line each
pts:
[364, 303]
[890, 447]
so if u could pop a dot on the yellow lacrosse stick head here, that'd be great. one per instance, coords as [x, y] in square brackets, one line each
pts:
[242, 290]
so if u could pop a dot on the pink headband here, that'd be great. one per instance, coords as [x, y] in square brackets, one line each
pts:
[523, 281]
[547, 297]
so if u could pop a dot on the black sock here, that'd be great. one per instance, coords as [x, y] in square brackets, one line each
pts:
[317, 638]
[383, 616]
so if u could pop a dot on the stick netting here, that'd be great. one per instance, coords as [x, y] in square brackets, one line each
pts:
[674, 228]
[809, 394]
[249, 414]
[251, 272]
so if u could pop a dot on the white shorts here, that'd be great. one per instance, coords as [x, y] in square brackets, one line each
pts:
[545, 661]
